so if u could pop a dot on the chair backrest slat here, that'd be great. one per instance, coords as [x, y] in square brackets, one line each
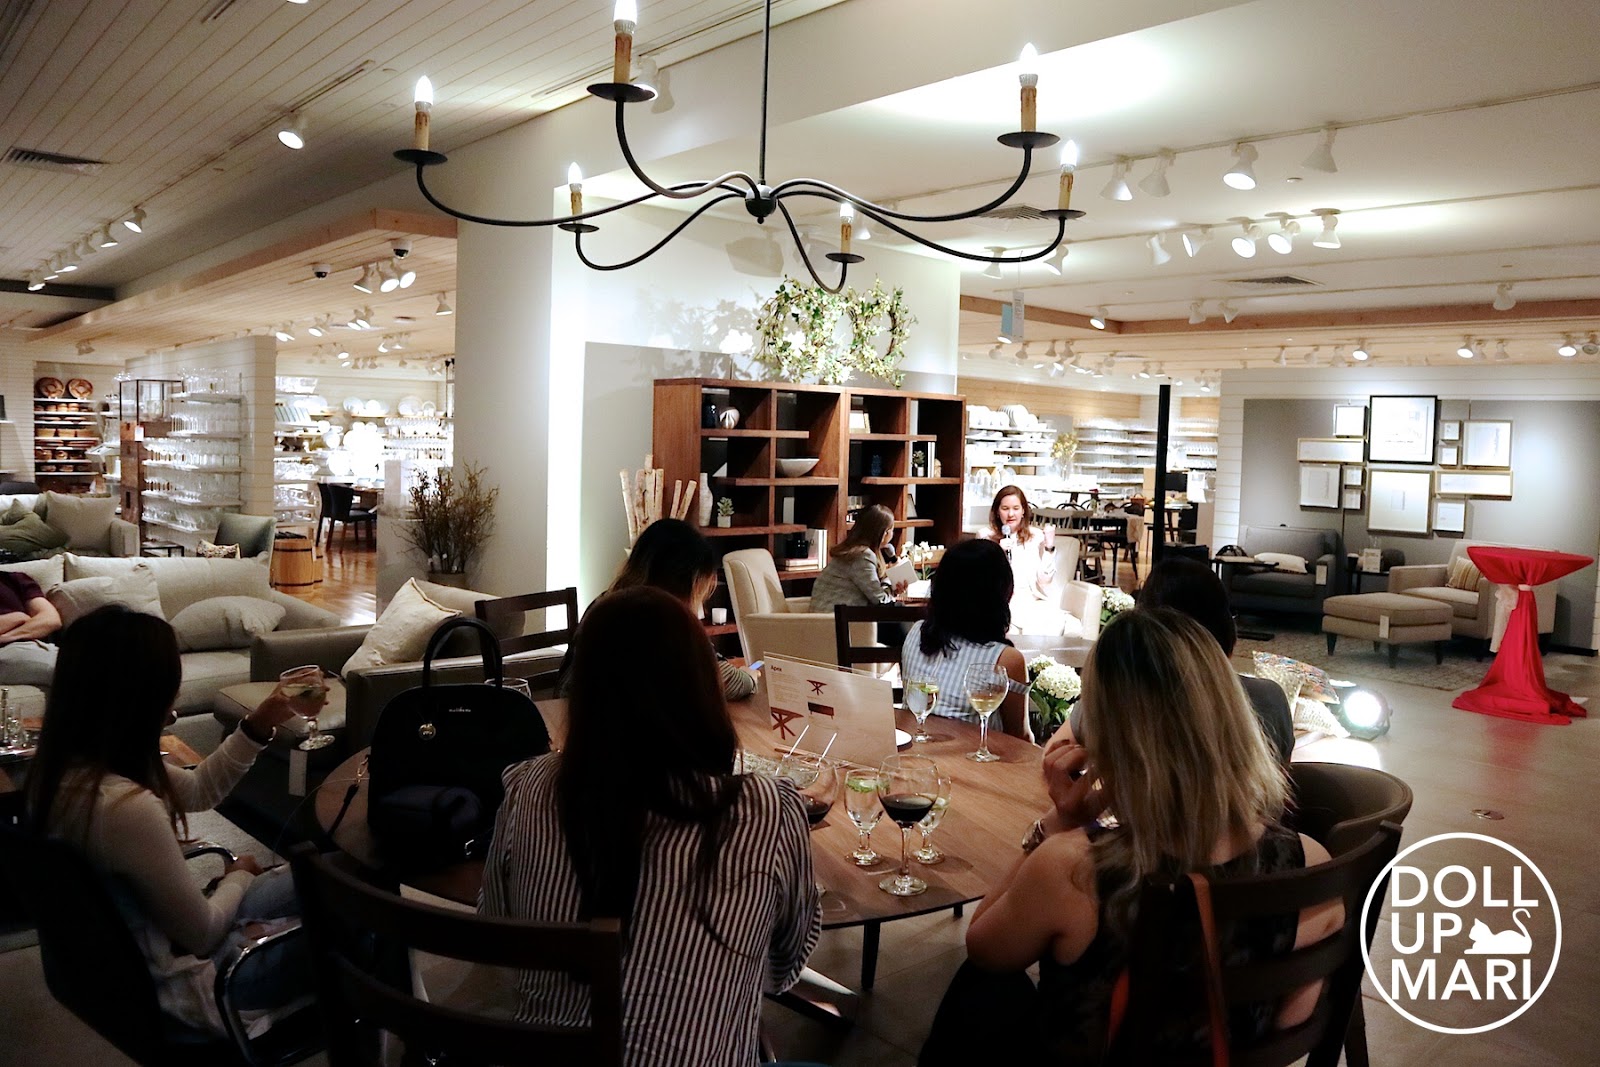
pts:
[502, 613]
[851, 654]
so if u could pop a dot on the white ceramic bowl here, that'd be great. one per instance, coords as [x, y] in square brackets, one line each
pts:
[795, 468]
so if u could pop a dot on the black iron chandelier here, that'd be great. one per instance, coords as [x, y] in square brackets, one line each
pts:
[761, 200]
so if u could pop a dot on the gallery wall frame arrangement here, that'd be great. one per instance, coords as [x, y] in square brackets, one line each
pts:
[1449, 516]
[1352, 500]
[1319, 485]
[1450, 430]
[1449, 456]
[1328, 450]
[1486, 443]
[1398, 500]
[1491, 485]
[1402, 429]
[1355, 477]
[1350, 420]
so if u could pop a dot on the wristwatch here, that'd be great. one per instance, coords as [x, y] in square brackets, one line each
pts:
[248, 730]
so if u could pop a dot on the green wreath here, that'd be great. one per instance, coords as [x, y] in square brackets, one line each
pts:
[816, 314]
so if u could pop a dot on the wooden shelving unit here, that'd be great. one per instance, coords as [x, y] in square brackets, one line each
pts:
[64, 431]
[783, 421]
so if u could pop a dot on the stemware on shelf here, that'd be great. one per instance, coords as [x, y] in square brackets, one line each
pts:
[986, 689]
[907, 788]
[861, 801]
[929, 853]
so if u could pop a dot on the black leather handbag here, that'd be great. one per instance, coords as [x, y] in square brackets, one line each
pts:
[438, 754]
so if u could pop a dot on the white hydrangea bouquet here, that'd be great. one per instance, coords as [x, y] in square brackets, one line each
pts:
[1113, 602]
[1052, 690]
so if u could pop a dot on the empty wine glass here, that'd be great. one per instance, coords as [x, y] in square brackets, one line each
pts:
[921, 695]
[307, 693]
[986, 688]
[861, 801]
[929, 854]
[907, 787]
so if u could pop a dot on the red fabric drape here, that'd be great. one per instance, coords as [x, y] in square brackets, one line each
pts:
[1514, 688]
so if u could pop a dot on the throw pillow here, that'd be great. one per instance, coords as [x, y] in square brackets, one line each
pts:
[30, 536]
[401, 633]
[85, 520]
[15, 512]
[1316, 684]
[1464, 574]
[225, 622]
[135, 590]
[207, 550]
[1287, 562]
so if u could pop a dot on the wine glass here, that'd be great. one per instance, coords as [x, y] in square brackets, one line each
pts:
[817, 781]
[907, 787]
[861, 800]
[929, 854]
[986, 688]
[921, 695]
[307, 693]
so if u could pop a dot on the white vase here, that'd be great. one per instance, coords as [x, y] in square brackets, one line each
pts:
[706, 503]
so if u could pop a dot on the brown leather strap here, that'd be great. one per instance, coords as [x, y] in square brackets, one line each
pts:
[1213, 951]
[1119, 1006]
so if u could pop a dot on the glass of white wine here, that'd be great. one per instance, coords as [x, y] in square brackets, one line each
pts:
[986, 688]
[929, 853]
[921, 695]
[307, 693]
[861, 800]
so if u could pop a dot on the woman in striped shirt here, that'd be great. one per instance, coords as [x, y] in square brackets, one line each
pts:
[709, 871]
[968, 615]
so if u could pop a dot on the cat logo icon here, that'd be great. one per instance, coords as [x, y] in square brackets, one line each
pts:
[1474, 933]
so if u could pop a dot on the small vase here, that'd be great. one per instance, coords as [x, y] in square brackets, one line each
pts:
[724, 521]
[706, 503]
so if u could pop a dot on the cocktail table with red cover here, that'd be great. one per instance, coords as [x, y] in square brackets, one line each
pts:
[1514, 688]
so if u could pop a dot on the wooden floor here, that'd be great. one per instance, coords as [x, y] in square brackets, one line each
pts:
[349, 586]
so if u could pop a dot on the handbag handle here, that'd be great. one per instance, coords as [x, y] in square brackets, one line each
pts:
[488, 645]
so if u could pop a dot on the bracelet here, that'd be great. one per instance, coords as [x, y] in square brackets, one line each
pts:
[250, 734]
[1035, 836]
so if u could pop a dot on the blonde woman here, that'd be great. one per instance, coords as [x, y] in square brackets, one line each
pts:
[1171, 746]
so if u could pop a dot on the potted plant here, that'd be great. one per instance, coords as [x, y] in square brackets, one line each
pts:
[725, 512]
[1053, 689]
[452, 517]
[919, 462]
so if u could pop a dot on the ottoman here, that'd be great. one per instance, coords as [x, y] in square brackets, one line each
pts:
[1391, 618]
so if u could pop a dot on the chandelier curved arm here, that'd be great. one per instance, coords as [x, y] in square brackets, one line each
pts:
[577, 237]
[800, 245]
[685, 191]
[798, 186]
[487, 220]
[1061, 232]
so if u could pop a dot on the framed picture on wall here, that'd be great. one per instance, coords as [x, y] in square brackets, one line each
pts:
[1319, 485]
[1449, 455]
[1449, 516]
[1350, 420]
[1328, 450]
[1496, 485]
[1397, 501]
[1354, 476]
[1402, 429]
[1352, 500]
[1486, 443]
[1450, 430]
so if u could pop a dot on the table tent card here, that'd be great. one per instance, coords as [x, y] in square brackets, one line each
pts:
[815, 708]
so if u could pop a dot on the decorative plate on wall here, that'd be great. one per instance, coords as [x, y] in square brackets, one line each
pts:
[49, 388]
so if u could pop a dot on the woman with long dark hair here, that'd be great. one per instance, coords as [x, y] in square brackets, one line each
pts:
[99, 782]
[710, 872]
[969, 613]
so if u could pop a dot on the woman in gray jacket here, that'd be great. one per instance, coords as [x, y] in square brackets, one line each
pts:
[854, 574]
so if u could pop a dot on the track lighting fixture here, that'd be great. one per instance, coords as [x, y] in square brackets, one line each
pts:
[1313, 357]
[1143, 372]
[284, 333]
[318, 326]
[1098, 319]
[1117, 187]
[343, 353]
[388, 280]
[1330, 218]
[1229, 311]
[1159, 255]
[994, 353]
[444, 307]
[1500, 353]
[1241, 174]
[1282, 240]
[292, 133]
[651, 75]
[1057, 370]
[1283, 357]
[407, 275]
[103, 237]
[383, 345]
[52, 269]
[1503, 300]
[1360, 353]
[1056, 263]
[1195, 240]
[365, 282]
[1155, 183]
[1197, 313]
[1205, 385]
[993, 269]
[35, 282]
[135, 221]
[85, 348]
[1321, 157]
[1244, 245]
[1566, 348]
[1466, 351]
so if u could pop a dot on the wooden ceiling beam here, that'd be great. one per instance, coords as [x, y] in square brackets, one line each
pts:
[986, 306]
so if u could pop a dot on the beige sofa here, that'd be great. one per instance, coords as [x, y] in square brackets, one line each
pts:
[181, 582]
[1475, 613]
[92, 527]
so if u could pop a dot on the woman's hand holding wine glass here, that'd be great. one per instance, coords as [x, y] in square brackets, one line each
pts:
[306, 692]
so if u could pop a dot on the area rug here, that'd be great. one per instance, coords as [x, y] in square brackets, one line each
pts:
[1356, 659]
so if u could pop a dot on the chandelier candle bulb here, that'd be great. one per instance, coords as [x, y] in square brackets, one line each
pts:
[1029, 77]
[424, 102]
[847, 217]
[575, 188]
[1069, 164]
[625, 16]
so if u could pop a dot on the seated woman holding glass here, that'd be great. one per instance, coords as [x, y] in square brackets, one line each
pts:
[1031, 552]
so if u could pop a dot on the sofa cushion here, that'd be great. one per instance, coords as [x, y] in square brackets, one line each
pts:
[205, 674]
[1286, 562]
[465, 601]
[85, 520]
[46, 572]
[134, 589]
[185, 580]
[32, 501]
[225, 622]
[15, 512]
[1464, 604]
[206, 550]
[30, 536]
[1270, 583]
[401, 633]
[236, 701]
[1401, 609]
[1307, 544]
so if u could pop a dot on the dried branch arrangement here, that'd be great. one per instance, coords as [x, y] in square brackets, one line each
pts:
[453, 518]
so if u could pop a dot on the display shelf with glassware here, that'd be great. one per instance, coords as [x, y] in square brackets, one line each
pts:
[1117, 452]
[429, 437]
[66, 434]
[181, 458]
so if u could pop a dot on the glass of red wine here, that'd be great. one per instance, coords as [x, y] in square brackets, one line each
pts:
[818, 783]
[907, 789]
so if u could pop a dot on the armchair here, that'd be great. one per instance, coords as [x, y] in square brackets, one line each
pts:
[1475, 613]
[1301, 594]
[252, 533]
[770, 622]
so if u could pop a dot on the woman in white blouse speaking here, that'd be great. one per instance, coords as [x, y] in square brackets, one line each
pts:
[1031, 551]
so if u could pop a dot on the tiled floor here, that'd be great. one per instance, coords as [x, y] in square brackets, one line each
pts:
[1542, 778]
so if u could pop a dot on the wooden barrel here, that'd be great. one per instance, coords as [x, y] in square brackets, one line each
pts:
[295, 564]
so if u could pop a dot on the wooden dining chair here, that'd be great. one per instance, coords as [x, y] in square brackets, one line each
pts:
[1157, 990]
[355, 927]
[507, 617]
